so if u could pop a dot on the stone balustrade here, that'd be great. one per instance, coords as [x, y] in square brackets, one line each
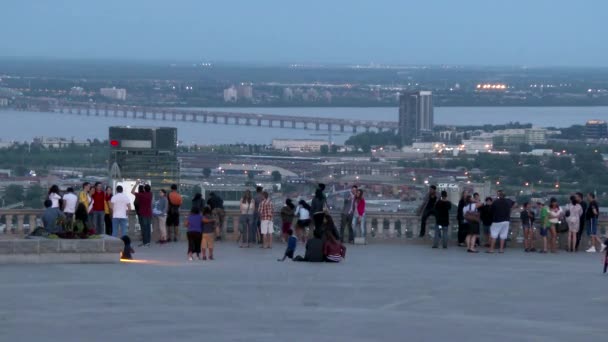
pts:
[379, 226]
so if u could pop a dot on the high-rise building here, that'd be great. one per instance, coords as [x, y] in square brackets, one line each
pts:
[416, 116]
[244, 91]
[145, 153]
[596, 129]
[230, 94]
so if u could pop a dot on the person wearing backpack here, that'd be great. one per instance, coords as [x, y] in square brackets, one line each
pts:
[471, 217]
[442, 212]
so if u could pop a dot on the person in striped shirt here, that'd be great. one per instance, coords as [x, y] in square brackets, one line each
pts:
[266, 225]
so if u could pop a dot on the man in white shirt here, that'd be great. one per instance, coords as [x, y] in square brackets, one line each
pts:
[120, 204]
[70, 200]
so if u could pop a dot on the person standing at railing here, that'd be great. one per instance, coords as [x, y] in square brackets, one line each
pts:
[359, 213]
[266, 224]
[248, 228]
[471, 217]
[83, 196]
[593, 212]
[144, 198]
[347, 215]
[160, 214]
[287, 216]
[501, 218]
[98, 210]
[303, 215]
[175, 201]
[319, 207]
[216, 203]
[428, 209]
[485, 215]
[442, 215]
[70, 200]
[107, 211]
[120, 205]
[462, 225]
[257, 199]
[55, 197]
[573, 216]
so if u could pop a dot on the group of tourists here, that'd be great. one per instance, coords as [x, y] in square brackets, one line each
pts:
[256, 225]
[490, 220]
[105, 212]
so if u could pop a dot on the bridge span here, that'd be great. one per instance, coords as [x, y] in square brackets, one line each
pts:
[221, 117]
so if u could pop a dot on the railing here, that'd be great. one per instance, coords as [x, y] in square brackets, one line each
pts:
[379, 226]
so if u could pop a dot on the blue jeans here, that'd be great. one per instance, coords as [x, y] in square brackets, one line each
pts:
[592, 227]
[443, 232]
[98, 218]
[362, 225]
[120, 224]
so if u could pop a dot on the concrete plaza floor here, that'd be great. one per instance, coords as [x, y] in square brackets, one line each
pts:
[381, 293]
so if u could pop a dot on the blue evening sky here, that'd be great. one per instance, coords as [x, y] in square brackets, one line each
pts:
[488, 32]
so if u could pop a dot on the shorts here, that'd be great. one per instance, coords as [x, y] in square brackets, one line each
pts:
[173, 220]
[500, 229]
[473, 228]
[208, 239]
[266, 227]
[592, 227]
[303, 223]
[544, 231]
[285, 227]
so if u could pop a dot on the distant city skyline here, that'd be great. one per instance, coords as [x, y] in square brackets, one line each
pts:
[474, 32]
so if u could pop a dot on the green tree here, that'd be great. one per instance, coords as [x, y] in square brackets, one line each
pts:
[34, 197]
[324, 149]
[334, 149]
[206, 172]
[276, 176]
[13, 194]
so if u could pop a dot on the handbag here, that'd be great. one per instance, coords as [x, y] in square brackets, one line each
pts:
[472, 216]
[562, 227]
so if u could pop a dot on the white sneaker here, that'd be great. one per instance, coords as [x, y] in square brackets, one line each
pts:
[189, 258]
[591, 249]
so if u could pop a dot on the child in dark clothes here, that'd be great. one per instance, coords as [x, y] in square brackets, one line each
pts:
[291, 245]
[127, 250]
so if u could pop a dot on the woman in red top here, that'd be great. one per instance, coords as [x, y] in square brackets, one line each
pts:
[359, 213]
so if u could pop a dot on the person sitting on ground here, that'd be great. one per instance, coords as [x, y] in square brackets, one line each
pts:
[127, 250]
[333, 250]
[329, 225]
[291, 245]
[314, 249]
[51, 216]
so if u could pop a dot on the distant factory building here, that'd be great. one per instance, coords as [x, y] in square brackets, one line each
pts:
[114, 93]
[596, 129]
[416, 116]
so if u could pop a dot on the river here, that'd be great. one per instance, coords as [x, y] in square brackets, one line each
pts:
[23, 126]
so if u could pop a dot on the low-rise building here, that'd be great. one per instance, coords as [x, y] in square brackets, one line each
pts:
[298, 145]
[114, 93]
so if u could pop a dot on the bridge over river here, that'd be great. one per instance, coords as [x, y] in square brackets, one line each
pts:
[221, 117]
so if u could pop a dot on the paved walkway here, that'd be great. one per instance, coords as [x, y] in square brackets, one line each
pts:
[381, 293]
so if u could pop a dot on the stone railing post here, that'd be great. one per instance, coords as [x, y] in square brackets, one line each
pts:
[391, 227]
[9, 224]
[19, 229]
[32, 221]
